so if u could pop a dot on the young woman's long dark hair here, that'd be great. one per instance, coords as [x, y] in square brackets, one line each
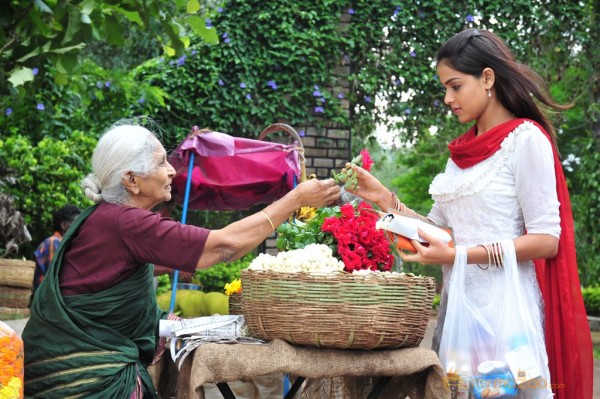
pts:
[517, 86]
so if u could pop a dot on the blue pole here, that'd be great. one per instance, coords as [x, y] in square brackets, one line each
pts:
[186, 200]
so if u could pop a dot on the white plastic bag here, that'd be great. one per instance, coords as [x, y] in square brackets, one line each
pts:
[493, 354]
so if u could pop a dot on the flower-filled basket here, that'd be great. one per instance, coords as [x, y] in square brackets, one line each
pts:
[331, 285]
[338, 310]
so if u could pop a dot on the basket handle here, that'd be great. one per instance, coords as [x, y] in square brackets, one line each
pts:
[282, 127]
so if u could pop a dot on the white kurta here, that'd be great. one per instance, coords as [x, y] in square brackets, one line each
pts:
[502, 197]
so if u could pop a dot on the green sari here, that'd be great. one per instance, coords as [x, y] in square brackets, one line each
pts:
[90, 345]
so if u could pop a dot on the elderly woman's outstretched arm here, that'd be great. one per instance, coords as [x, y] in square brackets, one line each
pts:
[239, 238]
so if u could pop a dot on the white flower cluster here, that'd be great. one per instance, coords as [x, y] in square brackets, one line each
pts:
[314, 258]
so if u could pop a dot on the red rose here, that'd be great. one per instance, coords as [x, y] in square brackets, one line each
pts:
[367, 162]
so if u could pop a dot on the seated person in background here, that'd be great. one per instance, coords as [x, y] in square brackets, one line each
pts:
[61, 220]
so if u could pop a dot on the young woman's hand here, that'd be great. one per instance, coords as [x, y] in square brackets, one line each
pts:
[369, 188]
[437, 252]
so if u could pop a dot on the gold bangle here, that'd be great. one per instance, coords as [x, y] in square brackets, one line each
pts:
[269, 219]
[497, 252]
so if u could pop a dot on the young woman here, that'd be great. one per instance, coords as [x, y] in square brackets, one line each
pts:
[93, 322]
[504, 180]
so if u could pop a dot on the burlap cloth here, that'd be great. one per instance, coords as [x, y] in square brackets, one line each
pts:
[415, 372]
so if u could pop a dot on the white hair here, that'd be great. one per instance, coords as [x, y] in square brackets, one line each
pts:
[122, 149]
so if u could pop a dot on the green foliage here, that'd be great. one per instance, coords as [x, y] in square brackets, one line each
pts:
[586, 211]
[214, 278]
[35, 33]
[50, 172]
[299, 234]
[591, 299]
[436, 301]
[273, 67]
[164, 284]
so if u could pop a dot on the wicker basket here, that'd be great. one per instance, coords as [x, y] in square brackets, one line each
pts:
[13, 313]
[343, 311]
[17, 272]
[235, 304]
[11, 297]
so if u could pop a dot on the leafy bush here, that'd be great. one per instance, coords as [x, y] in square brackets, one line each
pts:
[436, 301]
[591, 299]
[214, 278]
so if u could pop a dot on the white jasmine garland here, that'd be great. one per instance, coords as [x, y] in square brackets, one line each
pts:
[314, 258]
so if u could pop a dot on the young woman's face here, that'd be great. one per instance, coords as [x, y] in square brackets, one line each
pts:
[155, 188]
[465, 94]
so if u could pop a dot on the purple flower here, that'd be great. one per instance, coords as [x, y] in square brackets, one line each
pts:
[40, 107]
[323, 100]
[436, 103]
[340, 96]
[316, 93]
[194, 52]
[220, 10]
[407, 111]
[8, 111]
[368, 99]
[272, 84]
[225, 35]
[397, 10]
[351, 11]
[470, 18]
[142, 100]
[249, 96]
[35, 71]
[181, 60]
[107, 83]
[243, 85]
[221, 83]
[227, 40]
[301, 133]
[208, 23]
[319, 110]
[413, 54]
[171, 62]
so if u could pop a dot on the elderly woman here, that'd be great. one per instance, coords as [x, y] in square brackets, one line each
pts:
[93, 323]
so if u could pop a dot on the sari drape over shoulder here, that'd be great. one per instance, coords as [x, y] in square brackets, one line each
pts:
[90, 345]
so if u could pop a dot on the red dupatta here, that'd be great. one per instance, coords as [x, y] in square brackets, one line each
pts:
[568, 338]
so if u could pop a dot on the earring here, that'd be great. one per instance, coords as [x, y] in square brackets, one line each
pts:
[489, 93]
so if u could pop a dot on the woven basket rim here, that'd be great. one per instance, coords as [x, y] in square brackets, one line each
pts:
[338, 310]
[384, 276]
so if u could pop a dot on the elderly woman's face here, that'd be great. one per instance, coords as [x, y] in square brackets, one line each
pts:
[155, 188]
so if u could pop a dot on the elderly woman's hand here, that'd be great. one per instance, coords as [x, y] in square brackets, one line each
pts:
[318, 193]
